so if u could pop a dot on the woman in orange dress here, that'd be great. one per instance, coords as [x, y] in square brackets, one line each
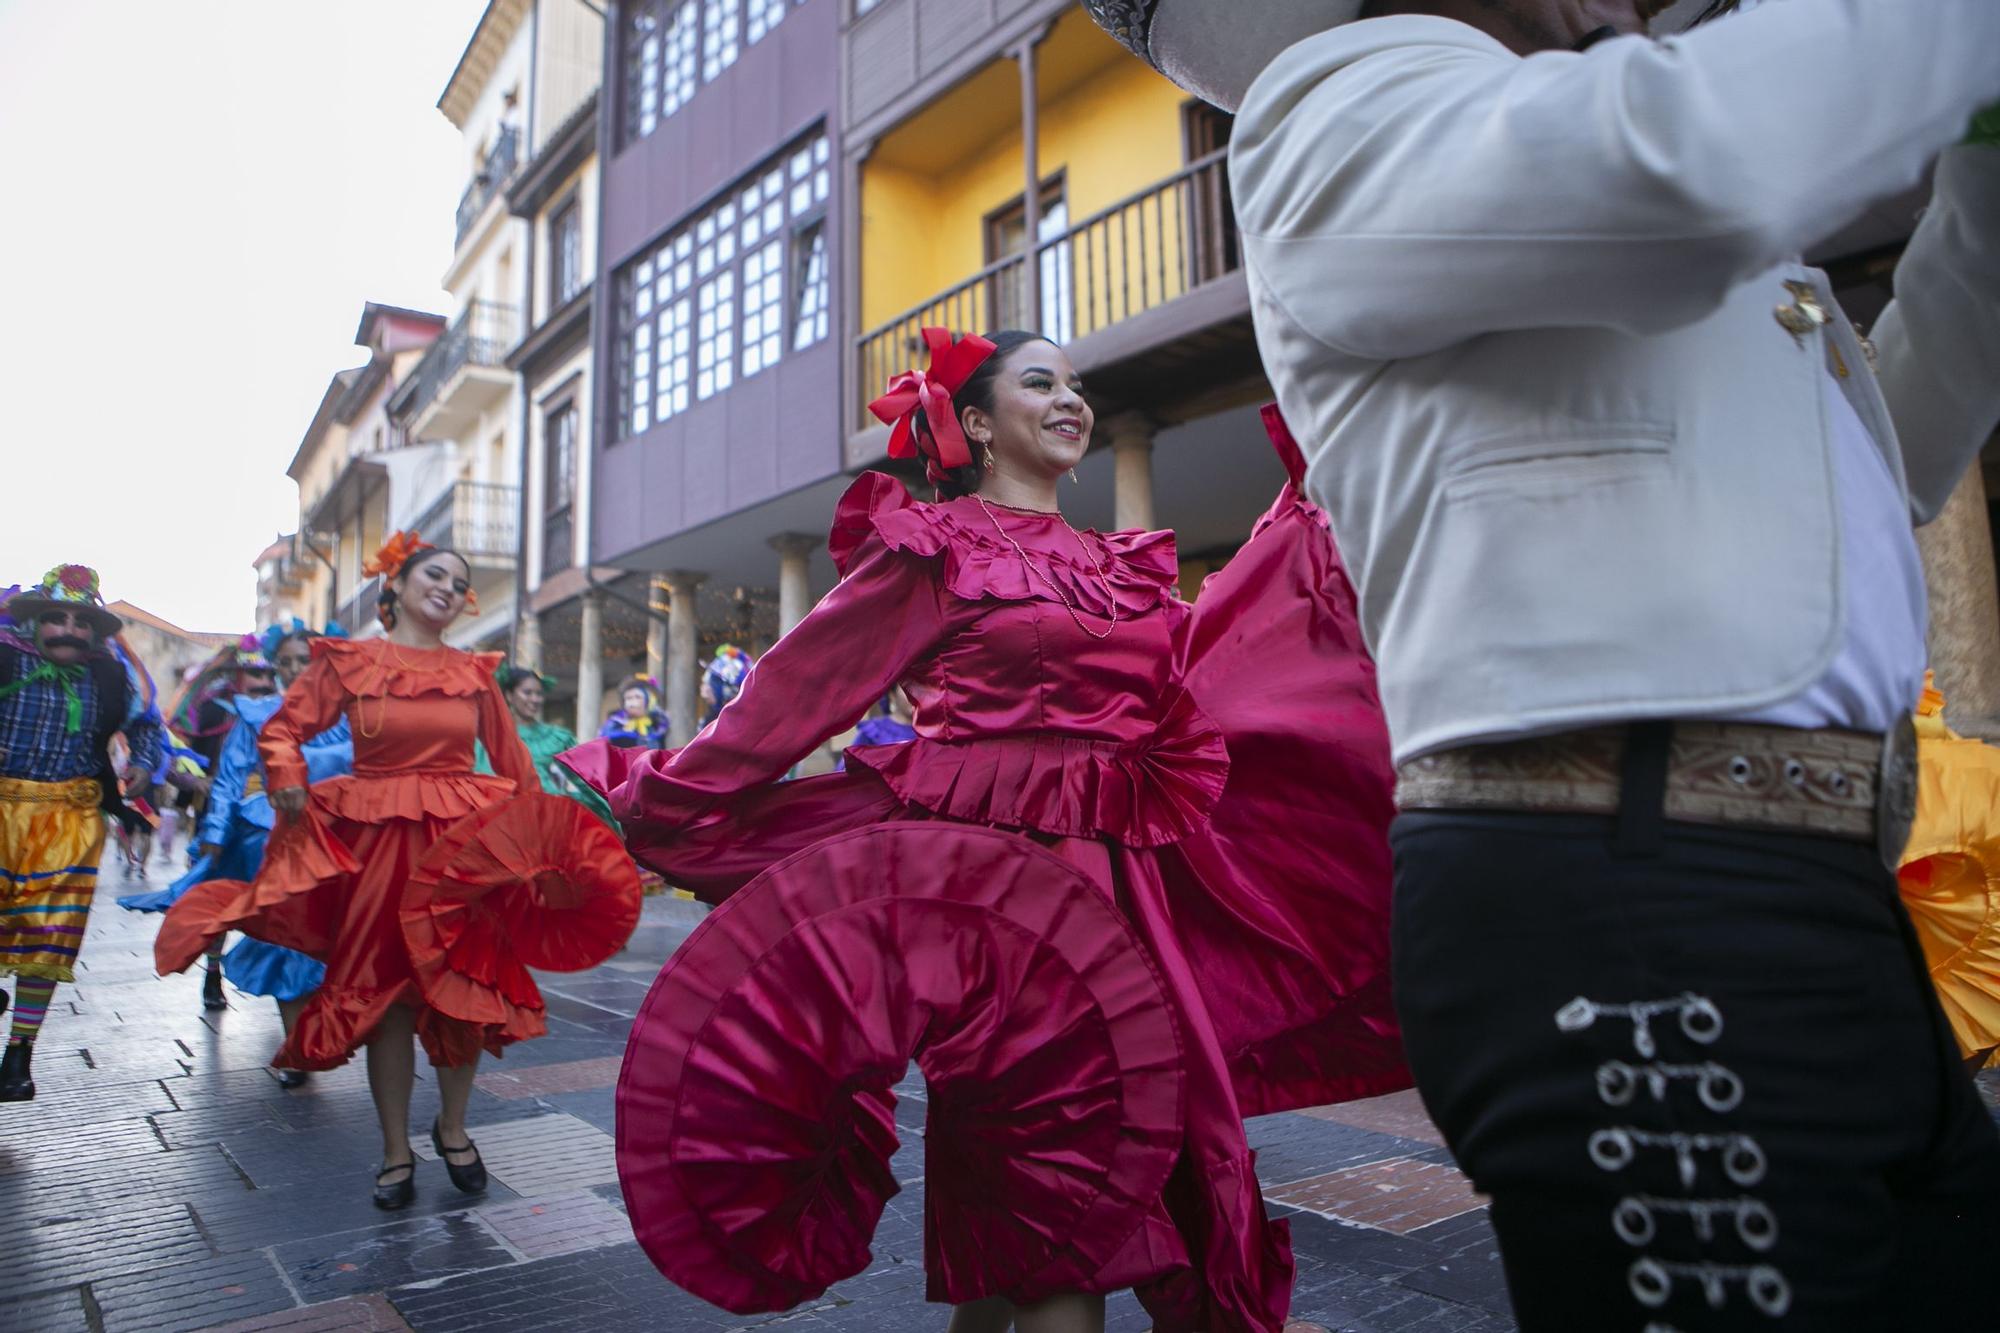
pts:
[336, 881]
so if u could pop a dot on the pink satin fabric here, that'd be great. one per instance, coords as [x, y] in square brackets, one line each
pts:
[1220, 774]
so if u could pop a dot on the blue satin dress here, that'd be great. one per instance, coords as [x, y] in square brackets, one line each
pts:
[237, 822]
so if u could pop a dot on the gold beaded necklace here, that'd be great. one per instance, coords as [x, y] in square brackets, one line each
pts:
[1068, 605]
[382, 700]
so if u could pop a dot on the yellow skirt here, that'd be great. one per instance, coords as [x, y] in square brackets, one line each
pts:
[51, 835]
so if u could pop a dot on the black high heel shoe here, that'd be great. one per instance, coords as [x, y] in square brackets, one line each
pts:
[293, 1078]
[211, 990]
[392, 1195]
[470, 1178]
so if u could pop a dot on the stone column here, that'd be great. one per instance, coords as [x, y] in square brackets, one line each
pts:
[1132, 470]
[656, 628]
[1965, 609]
[528, 640]
[683, 678]
[794, 577]
[590, 663]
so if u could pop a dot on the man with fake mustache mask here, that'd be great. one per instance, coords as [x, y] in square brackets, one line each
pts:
[1629, 511]
[63, 695]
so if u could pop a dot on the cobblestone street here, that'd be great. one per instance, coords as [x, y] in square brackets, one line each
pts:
[162, 1180]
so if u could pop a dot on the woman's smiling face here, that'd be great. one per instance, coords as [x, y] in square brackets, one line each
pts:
[435, 588]
[1040, 425]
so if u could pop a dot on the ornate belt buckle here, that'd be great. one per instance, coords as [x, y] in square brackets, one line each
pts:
[1896, 792]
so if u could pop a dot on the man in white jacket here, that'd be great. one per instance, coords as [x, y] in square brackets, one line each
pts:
[1629, 509]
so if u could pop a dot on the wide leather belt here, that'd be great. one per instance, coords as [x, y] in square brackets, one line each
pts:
[1837, 784]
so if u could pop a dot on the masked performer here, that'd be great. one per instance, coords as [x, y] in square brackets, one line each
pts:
[346, 877]
[1630, 513]
[723, 679]
[1087, 899]
[639, 721]
[63, 696]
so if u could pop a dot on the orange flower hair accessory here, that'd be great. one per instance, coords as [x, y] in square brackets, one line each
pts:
[395, 553]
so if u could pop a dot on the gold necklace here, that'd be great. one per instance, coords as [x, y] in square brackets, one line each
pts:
[382, 701]
[1068, 605]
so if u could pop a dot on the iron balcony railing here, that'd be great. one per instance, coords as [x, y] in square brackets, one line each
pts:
[481, 336]
[478, 519]
[357, 613]
[493, 174]
[1138, 254]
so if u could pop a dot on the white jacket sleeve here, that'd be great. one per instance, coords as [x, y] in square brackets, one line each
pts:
[1940, 339]
[1404, 184]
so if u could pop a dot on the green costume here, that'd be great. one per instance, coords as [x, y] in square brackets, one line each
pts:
[545, 741]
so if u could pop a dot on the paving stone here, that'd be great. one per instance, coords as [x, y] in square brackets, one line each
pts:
[543, 1155]
[536, 1080]
[541, 1228]
[610, 1290]
[51, 1312]
[351, 1314]
[60, 1146]
[1468, 1269]
[253, 1219]
[1292, 1146]
[421, 1249]
[1398, 1195]
[100, 1106]
[113, 1188]
[1399, 1113]
[186, 1297]
[598, 1107]
[58, 1254]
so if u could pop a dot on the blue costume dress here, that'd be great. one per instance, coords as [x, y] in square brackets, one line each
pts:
[237, 822]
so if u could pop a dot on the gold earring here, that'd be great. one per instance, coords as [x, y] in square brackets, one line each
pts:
[989, 457]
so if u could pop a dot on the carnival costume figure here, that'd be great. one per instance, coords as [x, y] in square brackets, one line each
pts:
[1117, 895]
[724, 676]
[427, 890]
[1629, 503]
[63, 696]
[639, 722]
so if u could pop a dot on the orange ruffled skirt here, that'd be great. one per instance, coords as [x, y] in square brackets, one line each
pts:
[394, 929]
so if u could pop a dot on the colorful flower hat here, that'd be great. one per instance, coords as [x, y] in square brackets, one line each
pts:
[250, 654]
[725, 673]
[65, 588]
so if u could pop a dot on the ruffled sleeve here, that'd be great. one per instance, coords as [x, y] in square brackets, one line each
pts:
[976, 562]
[815, 682]
[316, 701]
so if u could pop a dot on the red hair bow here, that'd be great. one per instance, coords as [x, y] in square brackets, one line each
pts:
[929, 392]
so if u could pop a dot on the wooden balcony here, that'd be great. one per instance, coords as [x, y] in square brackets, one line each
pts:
[1147, 296]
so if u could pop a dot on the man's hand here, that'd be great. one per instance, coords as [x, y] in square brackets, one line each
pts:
[209, 850]
[288, 800]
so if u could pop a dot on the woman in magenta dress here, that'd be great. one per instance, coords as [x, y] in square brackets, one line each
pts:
[1127, 886]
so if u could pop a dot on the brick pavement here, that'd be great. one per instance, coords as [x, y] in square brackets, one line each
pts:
[163, 1181]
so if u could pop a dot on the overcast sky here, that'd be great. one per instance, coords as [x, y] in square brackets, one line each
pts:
[202, 194]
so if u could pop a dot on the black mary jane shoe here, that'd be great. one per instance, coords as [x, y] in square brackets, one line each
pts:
[293, 1078]
[391, 1196]
[470, 1178]
[17, 1082]
[211, 990]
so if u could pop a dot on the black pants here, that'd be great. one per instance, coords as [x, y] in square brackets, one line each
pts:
[1706, 1084]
